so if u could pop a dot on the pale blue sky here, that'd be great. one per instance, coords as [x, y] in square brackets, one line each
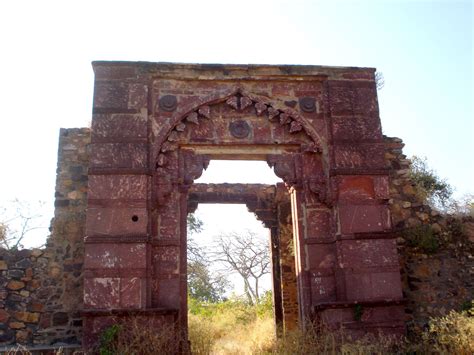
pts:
[423, 48]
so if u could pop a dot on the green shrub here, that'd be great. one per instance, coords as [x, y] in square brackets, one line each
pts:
[358, 311]
[430, 187]
[422, 237]
[108, 338]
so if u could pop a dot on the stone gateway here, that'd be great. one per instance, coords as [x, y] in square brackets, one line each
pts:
[156, 126]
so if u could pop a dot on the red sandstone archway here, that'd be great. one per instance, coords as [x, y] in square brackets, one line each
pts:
[156, 126]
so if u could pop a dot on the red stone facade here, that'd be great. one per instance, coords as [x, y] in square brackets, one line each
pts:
[155, 128]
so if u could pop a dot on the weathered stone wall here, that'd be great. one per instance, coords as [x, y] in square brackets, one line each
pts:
[41, 289]
[436, 251]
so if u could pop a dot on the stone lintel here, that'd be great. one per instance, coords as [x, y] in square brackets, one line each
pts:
[231, 193]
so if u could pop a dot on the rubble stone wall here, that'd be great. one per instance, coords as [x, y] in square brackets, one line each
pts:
[41, 289]
[436, 251]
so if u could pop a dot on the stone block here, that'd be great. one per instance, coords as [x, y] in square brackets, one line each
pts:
[318, 223]
[127, 187]
[119, 155]
[4, 316]
[365, 98]
[363, 218]
[119, 126]
[116, 221]
[169, 293]
[356, 188]
[359, 156]
[313, 166]
[132, 293]
[382, 187]
[115, 256]
[347, 98]
[117, 96]
[323, 288]
[36, 307]
[321, 256]
[23, 335]
[102, 293]
[60, 319]
[367, 253]
[114, 72]
[27, 317]
[17, 325]
[340, 98]
[361, 286]
[337, 316]
[16, 274]
[395, 313]
[137, 96]
[168, 224]
[15, 285]
[111, 95]
[166, 260]
[357, 128]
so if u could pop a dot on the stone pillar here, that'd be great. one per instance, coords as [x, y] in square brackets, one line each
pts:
[289, 293]
[367, 270]
[276, 280]
[118, 228]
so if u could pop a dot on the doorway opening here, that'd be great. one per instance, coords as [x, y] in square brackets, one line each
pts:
[235, 252]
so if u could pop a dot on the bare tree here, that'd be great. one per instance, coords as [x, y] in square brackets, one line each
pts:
[204, 284]
[247, 255]
[379, 80]
[17, 221]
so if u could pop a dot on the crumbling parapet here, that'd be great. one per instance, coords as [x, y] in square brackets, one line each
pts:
[436, 250]
[41, 294]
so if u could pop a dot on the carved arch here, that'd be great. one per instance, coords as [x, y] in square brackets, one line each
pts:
[238, 99]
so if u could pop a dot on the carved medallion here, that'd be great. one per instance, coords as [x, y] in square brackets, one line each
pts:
[168, 103]
[239, 129]
[308, 104]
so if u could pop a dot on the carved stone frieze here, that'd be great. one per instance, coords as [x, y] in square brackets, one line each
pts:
[239, 101]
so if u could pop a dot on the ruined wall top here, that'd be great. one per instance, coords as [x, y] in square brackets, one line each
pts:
[135, 70]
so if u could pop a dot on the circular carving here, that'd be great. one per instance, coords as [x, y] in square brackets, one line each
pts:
[168, 103]
[308, 104]
[239, 129]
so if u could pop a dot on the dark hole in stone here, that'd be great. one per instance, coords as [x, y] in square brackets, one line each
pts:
[135, 218]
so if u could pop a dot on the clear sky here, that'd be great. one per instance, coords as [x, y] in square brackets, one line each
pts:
[423, 48]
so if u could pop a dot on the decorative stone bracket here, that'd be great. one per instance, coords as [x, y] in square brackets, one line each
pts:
[191, 166]
[288, 167]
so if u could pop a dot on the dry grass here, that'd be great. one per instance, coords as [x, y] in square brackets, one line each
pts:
[137, 336]
[453, 334]
[234, 328]
[224, 333]
[22, 350]
[230, 327]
